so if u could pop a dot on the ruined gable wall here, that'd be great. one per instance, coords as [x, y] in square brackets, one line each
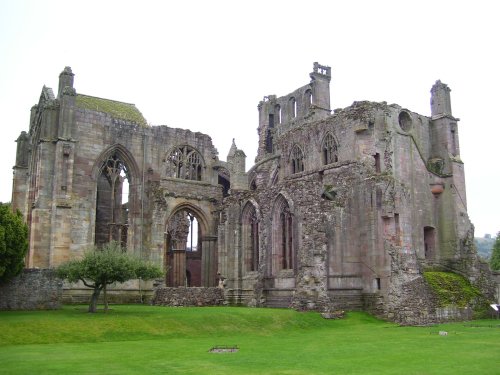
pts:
[94, 133]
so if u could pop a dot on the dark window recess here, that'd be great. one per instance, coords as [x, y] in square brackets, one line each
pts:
[377, 163]
[271, 121]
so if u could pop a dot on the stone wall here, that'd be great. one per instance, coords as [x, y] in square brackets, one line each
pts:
[414, 303]
[188, 297]
[132, 291]
[33, 289]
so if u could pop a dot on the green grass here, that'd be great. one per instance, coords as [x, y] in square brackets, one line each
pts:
[134, 339]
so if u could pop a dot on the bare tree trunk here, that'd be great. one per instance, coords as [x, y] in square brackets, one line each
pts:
[105, 297]
[93, 300]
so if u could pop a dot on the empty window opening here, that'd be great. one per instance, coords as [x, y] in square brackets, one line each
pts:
[271, 120]
[225, 185]
[293, 107]
[377, 280]
[405, 121]
[250, 232]
[192, 238]
[269, 141]
[453, 140]
[377, 163]
[184, 162]
[308, 99]
[253, 185]
[330, 152]
[277, 111]
[429, 242]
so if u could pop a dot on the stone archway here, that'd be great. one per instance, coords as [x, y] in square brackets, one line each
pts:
[191, 257]
[116, 195]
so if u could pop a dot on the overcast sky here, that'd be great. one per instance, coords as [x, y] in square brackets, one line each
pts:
[204, 65]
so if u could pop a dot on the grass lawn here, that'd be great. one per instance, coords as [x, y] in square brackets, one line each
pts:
[135, 339]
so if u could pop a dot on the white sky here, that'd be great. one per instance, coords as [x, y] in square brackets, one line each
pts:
[204, 65]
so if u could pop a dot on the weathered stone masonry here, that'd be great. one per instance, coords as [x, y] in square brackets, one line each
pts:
[341, 210]
[32, 290]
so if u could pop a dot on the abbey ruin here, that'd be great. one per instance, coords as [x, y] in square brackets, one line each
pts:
[343, 209]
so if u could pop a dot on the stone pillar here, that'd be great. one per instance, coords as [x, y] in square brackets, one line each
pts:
[178, 228]
[208, 260]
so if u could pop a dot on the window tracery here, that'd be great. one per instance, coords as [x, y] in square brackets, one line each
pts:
[184, 162]
[330, 151]
[297, 159]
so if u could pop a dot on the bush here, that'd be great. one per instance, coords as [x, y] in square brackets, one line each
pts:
[13, 242]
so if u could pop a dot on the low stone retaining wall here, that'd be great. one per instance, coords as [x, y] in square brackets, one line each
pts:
[132, 291]
[33, 289]
[183, 296]
[417, 305]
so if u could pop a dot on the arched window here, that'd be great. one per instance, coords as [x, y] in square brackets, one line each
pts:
[293, 107]
[250, 234]
[308, 98]
[297, 159]
[330, 153]
[277, 111]
[283, 247]
[429, 242]
[184, 162]
[112, 202]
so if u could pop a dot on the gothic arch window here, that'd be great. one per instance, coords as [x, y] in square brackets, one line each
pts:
[429, 242]
[297, 159]
[308, 98]
[283, 247]
[184, 162]
[250, 236]
[329, 150]
[293, 107]
[112, 205]
[277, 111]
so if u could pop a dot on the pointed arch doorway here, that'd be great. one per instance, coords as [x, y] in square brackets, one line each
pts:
[190, 258]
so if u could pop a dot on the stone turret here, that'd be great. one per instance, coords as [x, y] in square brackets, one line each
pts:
[65, 80]
[440, 100]
[307, 103]
[236, 160]
[320, 82]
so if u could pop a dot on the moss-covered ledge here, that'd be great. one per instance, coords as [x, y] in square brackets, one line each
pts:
[452, 289]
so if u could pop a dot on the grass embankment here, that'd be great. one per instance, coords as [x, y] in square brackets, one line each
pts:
[157, 340]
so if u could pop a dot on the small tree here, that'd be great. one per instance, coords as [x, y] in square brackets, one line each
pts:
[104, 266]
[495, 255]
[13, 242]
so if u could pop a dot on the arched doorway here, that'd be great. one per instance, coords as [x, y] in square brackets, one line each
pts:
[190, 253]
[429, 242]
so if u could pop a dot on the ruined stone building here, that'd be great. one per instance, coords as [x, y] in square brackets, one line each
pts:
[342, 209]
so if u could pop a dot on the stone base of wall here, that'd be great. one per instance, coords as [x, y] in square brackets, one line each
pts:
[417, 305]
[33, 289]
[132, 291]
[373, 303]
[183, 296]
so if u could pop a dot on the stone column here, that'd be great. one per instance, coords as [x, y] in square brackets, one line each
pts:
[208, 260]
